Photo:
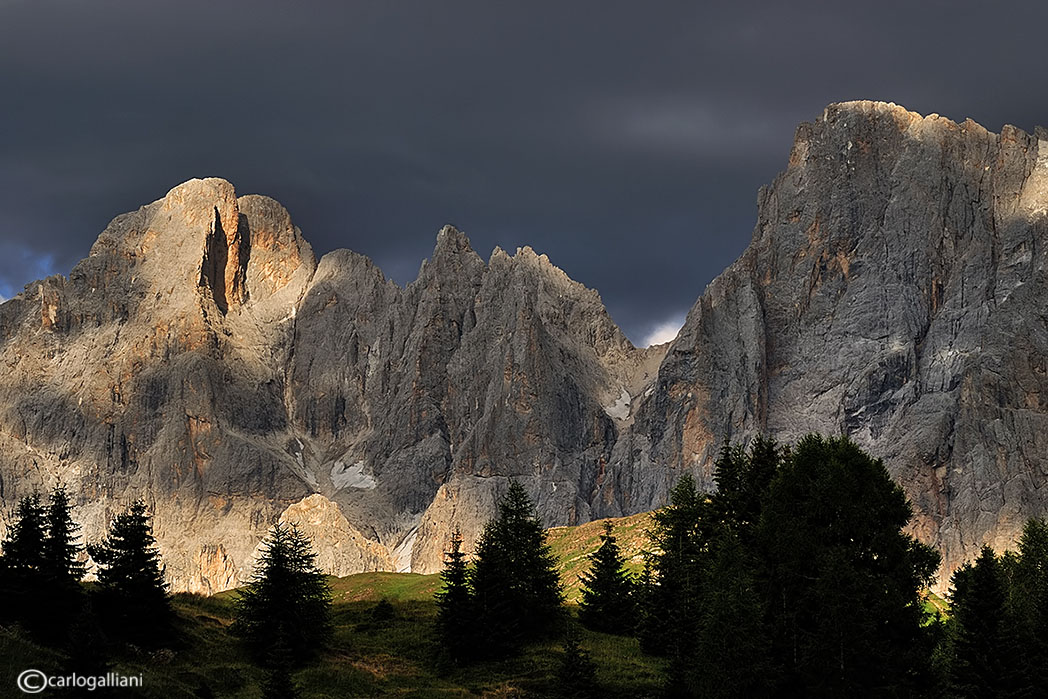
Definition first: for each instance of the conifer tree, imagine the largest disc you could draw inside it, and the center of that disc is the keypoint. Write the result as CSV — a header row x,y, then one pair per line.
x,y
279,682
61,553
843,580
671,605
517,593
985,647
576,672
62,567
1028,601
22,579
732,639
742,476
132,594
455,622
23,548
287,599
608,591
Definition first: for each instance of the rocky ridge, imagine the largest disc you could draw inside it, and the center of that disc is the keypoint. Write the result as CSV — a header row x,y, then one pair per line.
x,y
202,358
894,290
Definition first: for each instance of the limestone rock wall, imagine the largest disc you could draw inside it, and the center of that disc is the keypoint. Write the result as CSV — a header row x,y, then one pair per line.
x,y
202,359
894,291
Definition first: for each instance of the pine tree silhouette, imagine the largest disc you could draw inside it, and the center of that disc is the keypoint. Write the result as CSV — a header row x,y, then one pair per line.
x,y
455,618
132,595
608,601
62,548
22,579
576,673
288,599
516,587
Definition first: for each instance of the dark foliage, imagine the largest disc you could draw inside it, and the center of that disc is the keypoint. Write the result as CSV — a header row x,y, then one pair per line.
x,y
455,617
132,600
576,673
794,578
608,591
515,588
279,682
670,614
62,567
22,578
40,568
842,580
287,602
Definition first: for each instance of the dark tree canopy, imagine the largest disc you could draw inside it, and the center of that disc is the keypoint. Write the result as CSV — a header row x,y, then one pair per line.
x,y
516,587
62,548
132,594
792,578
40,568
576,672
22,565
608,601
23,548
671,608
287,604
844,582
455,616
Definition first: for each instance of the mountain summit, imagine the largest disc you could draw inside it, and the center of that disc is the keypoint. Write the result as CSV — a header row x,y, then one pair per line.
x,y
202,358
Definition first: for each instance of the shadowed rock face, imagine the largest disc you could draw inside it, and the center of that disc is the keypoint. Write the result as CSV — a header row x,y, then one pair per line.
x,y
202,359
894,291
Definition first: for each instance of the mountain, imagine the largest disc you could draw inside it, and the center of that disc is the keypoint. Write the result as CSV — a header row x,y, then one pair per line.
x,y
894,290
202,358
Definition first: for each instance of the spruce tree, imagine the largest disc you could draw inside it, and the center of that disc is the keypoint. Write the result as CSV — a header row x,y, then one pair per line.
x,y
576,672
732,639
22,564
742,476
517,593
287,600
1028,601
843,581
608,601
986,659
455,622
279,682
23,548
132,595
62,567
671,602
62,548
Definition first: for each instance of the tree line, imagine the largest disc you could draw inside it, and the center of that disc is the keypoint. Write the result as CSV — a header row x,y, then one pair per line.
x,y
42,565
283,613
792,578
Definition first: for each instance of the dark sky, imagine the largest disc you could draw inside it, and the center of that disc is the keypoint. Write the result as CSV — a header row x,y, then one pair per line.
x,y
626,140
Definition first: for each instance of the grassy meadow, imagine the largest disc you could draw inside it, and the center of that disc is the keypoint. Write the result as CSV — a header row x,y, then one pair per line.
x,y
371,655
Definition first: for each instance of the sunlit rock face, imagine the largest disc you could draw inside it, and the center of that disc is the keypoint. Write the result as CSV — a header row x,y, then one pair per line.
x,y
202,359
894,291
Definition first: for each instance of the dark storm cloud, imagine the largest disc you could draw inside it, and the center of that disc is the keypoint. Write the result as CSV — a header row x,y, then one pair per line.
x,y
625,140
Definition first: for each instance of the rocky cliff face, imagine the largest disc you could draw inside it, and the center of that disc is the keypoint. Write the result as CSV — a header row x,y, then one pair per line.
x,y
894,291
201,358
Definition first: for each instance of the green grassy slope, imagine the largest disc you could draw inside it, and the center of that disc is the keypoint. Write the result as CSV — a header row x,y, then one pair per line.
x,y
369,658
573,545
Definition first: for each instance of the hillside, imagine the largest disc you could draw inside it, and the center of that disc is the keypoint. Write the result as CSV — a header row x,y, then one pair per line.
x,y
370,657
